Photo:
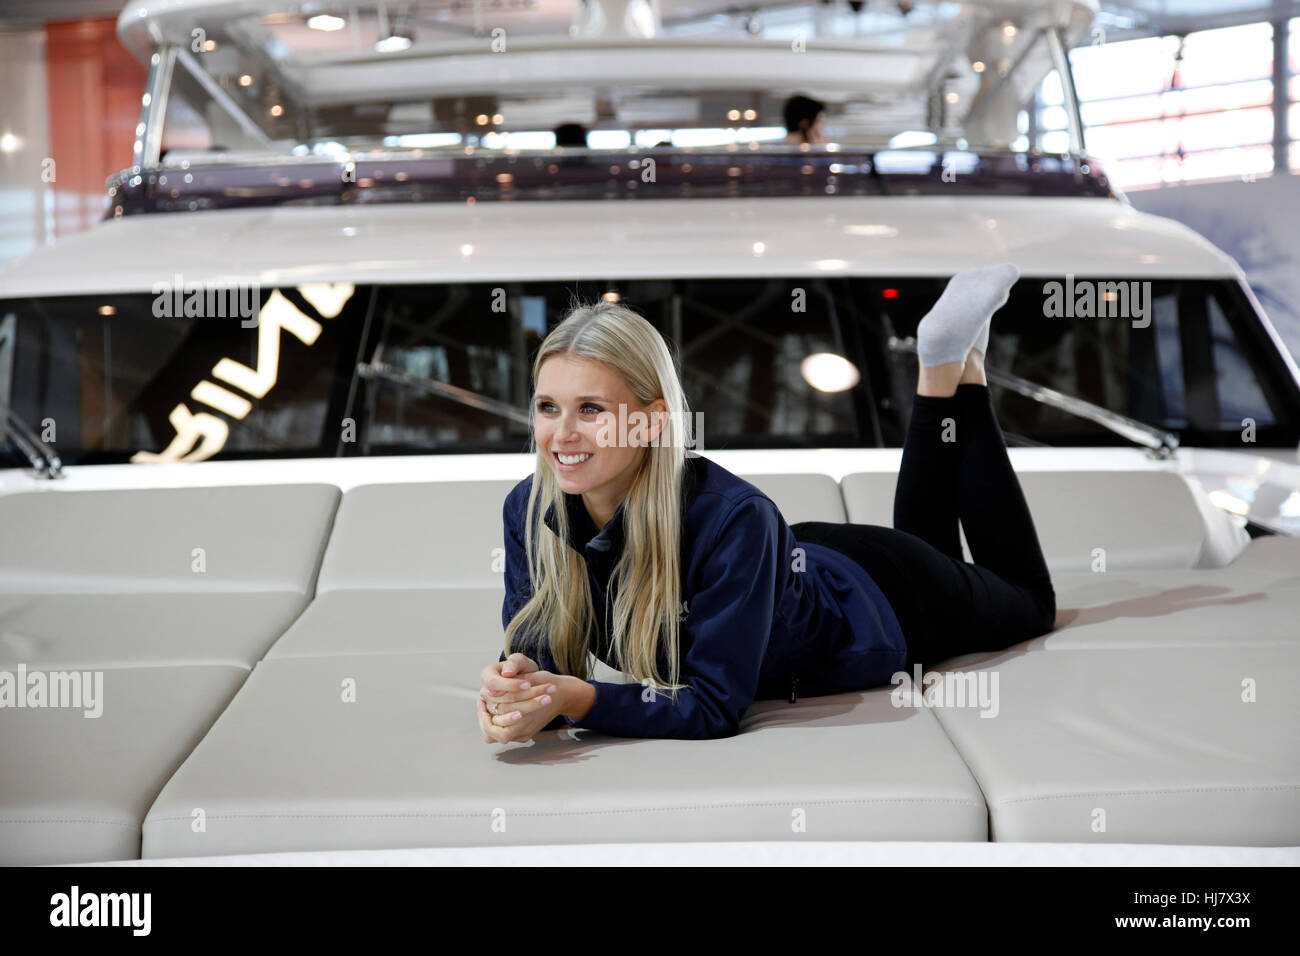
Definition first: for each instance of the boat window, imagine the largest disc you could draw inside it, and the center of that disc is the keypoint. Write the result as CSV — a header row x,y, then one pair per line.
x,y
763,359
742,346
474,341
1240,396
1168,348
1183,355
341,370
113,381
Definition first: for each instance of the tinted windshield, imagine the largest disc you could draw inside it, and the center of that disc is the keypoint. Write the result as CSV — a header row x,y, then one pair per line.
x,y
115,378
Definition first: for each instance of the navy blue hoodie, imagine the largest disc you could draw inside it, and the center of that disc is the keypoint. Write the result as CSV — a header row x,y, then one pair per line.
x,y
760,609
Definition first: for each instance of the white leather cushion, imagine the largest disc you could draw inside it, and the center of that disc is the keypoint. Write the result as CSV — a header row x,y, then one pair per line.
x,y
398,621
1157,744
76,788
1138,519
417,535
161,540
291,766
802,497
117,630
1223,606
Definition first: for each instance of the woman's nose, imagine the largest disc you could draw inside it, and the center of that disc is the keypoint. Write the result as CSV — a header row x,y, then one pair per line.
x,y
568,427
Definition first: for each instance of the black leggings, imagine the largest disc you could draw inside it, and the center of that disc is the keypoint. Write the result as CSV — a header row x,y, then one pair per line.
x,y
945,605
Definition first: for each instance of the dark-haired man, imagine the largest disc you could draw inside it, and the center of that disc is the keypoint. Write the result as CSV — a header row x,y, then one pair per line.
x,y
803,120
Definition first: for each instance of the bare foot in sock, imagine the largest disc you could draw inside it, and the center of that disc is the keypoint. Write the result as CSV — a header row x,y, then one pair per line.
x,y
960,320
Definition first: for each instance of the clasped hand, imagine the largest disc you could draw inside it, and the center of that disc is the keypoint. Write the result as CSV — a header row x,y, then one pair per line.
x,y
526,699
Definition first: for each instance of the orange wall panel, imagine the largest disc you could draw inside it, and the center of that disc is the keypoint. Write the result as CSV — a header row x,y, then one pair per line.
x,y
95,87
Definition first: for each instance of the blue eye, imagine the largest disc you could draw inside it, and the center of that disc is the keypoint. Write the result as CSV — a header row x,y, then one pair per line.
x,y
595,409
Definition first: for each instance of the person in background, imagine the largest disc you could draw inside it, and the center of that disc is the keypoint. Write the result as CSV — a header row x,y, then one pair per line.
x,y
803,120
570,134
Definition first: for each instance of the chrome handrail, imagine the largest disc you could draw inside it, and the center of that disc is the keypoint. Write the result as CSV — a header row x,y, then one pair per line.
x,y
39,453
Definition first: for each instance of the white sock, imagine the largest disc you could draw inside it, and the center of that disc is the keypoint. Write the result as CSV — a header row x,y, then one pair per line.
x,y
960,320
982,343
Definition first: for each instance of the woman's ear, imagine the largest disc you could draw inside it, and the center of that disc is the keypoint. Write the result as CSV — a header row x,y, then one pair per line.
x,y
658,411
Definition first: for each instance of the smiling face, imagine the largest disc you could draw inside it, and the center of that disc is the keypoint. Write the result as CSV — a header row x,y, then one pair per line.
x,y
577,427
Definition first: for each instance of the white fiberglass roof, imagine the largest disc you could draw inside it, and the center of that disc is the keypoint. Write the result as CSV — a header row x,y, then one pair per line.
x,y
501,241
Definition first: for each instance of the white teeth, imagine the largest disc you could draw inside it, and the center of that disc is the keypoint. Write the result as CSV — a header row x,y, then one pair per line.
x,y
573,459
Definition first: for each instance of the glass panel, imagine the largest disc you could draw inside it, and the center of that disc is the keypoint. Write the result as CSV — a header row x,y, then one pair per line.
x,y
448,366
1223,102
1240,163
1051,93
1156,106
1239,393
1056,141
1129,140
1213,130
1121,69
1169,359
464,337
1113,357
1122,110
117,375
1226,97
1190,133
1232,53
1053,117
742,344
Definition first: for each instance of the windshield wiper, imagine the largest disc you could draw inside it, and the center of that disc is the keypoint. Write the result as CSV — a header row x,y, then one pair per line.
x,y
42,456
1158,442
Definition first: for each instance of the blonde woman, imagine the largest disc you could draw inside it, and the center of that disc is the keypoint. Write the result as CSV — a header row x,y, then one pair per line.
x,y
685,577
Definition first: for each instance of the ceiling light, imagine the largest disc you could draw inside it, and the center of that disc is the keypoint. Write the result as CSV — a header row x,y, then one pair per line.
x,y
829,372
394,43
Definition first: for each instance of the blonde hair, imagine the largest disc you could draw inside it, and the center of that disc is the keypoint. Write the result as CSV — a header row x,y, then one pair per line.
x,y
646,579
